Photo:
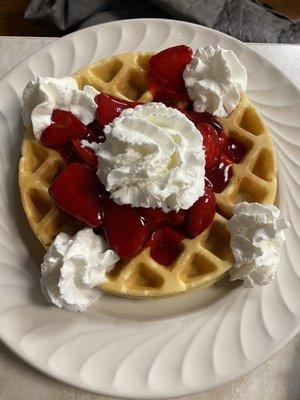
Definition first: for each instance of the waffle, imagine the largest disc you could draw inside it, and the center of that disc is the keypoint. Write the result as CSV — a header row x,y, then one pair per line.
x,y
204,259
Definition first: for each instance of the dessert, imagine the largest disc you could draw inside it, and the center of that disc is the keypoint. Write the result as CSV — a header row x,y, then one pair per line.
x,y
158,180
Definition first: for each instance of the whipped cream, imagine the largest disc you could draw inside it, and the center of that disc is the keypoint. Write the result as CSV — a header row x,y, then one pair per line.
x,y
73,267
91,145
215,79
257,235
42,96
152,157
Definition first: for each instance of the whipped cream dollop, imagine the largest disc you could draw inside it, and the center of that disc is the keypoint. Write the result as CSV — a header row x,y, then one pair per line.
x,y
43,95
152,157
257,235
215,79
73,267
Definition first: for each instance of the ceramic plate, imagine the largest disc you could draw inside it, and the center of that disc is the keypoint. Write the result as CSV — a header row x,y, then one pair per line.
x,y
154,348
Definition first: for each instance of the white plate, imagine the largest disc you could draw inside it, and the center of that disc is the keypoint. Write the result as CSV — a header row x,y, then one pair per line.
x,y
154,348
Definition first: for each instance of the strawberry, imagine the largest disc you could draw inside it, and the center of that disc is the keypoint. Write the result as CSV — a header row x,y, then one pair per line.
x,y
125,230
75,191
220,174
153,216
211,120
235,151
167,66
200,215
84,154
169,97
65,126
165,245
210,144
175,218
110,107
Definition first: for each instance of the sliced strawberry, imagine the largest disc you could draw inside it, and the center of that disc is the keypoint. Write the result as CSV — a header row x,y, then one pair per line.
x,y
211,120
175,218
110,107
235,150
165,245
167,66
153,216
65,126
201,214
85,154
220,174
210,143
75,191
169,97
125,230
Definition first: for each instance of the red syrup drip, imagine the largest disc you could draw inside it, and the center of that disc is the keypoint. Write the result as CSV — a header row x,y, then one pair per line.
x,y
219,176
235,151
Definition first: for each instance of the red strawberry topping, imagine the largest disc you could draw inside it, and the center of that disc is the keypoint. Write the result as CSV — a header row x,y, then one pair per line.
x,y
65,126
235,151
210,143
201,214
110,107
75,191
165,245
175,218
211,120
167,66
84,154
125,230
168,96
154,217
220,174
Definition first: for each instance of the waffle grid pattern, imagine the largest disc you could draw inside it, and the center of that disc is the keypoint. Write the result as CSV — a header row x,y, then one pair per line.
x,y
254,179
203,260
37,169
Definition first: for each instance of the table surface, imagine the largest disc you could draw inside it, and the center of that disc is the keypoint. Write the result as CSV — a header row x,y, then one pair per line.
x,y
277,379
12,20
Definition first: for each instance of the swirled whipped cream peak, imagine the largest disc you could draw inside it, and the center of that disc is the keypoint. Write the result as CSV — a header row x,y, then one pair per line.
x,y
215,79
257,235
152,157
72,268
43,95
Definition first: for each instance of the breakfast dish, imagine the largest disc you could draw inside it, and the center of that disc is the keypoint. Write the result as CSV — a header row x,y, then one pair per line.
x,y
119,341
180,150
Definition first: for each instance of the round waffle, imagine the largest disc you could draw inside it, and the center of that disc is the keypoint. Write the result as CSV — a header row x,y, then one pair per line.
x,y
204,259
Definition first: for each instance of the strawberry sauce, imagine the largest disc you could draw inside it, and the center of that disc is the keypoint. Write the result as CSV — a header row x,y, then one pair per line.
x,y
78,192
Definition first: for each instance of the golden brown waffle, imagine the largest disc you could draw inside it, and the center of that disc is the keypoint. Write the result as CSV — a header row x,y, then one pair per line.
x,y
255,178
123,76
38,167
203,260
